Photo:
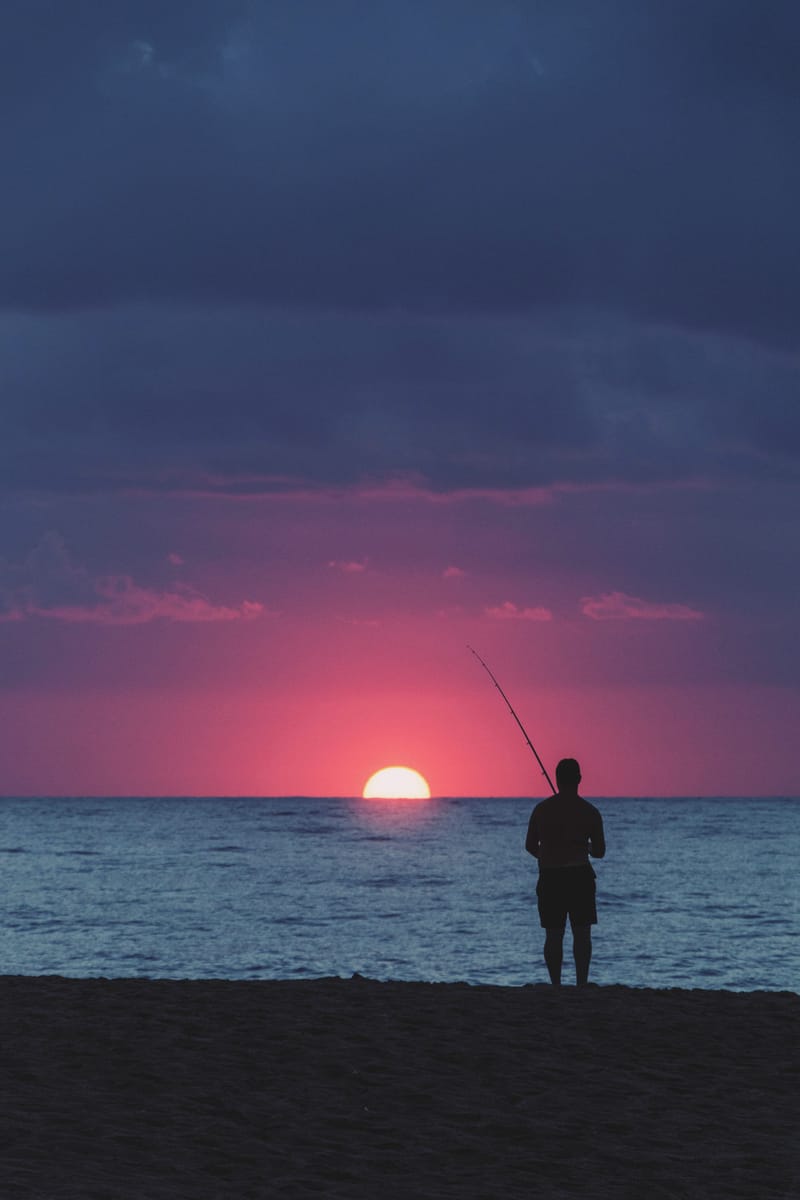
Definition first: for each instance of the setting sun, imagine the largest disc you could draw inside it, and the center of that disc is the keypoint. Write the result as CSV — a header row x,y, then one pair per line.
x,y
397,783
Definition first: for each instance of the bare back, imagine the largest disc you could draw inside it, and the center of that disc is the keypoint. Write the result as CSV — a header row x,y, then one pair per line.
x,y
564,830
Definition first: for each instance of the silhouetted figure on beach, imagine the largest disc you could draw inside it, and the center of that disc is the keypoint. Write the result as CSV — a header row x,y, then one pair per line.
x,y
563,831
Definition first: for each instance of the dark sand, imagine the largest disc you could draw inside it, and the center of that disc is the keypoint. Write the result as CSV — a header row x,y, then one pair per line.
x,y
351,1088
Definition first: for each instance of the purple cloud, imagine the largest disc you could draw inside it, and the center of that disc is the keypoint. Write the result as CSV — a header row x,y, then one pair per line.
x,y
508,611
618,606
348,566
49,585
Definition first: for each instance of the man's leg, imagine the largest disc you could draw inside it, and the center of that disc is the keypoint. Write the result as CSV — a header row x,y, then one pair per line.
x,y
582,951
554,953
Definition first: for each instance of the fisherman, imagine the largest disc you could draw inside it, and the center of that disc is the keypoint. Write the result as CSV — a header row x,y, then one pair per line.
x,y
563,831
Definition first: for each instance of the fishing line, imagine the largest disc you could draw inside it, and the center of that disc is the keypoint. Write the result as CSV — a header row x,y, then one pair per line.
x,y
514,715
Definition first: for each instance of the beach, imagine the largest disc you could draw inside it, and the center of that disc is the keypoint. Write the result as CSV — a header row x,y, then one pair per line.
x,y
356,1088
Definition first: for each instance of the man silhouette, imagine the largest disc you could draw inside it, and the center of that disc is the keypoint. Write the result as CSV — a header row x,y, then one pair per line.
x,y
563,831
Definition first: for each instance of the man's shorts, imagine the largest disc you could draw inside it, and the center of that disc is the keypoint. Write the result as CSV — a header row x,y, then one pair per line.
x,y
566,892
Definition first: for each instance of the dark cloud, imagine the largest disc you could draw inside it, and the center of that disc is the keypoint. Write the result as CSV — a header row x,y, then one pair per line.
x,y
240,401
446,156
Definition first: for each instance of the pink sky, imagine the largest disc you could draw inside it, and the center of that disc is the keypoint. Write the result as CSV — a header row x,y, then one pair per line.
x,y
235,669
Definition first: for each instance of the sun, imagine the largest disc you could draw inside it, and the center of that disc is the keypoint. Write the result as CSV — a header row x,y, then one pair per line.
x,y
397,783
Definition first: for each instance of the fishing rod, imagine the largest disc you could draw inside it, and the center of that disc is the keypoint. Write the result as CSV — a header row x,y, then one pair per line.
x,y
514,715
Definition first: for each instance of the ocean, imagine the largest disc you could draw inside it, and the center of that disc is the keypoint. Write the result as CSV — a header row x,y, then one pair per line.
x,y
693,893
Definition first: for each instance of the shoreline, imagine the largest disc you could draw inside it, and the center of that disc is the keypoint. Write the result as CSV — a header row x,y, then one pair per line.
x,y
127,1088
356,978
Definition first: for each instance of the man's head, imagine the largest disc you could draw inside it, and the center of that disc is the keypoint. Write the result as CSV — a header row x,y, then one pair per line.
x,y
568,775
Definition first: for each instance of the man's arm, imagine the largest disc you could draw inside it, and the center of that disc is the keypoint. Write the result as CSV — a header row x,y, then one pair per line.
x,y
597,838
532,840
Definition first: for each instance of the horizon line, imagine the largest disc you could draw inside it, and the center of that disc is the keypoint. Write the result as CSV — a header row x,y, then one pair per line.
x,y
410,799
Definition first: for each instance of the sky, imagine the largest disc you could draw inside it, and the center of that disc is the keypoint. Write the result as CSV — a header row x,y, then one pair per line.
x,y
339,335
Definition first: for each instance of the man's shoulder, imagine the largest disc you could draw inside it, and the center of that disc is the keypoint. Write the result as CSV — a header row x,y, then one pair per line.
x,y
556,801
589,807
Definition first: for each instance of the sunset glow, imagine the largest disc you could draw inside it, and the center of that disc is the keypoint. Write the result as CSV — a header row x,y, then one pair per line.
x,y
397,783
448,380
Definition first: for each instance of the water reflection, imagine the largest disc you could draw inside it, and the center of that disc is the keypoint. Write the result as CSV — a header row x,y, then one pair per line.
x,y
389,818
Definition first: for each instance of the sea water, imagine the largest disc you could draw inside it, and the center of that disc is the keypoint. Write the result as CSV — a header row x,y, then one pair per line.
x,y
692,892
